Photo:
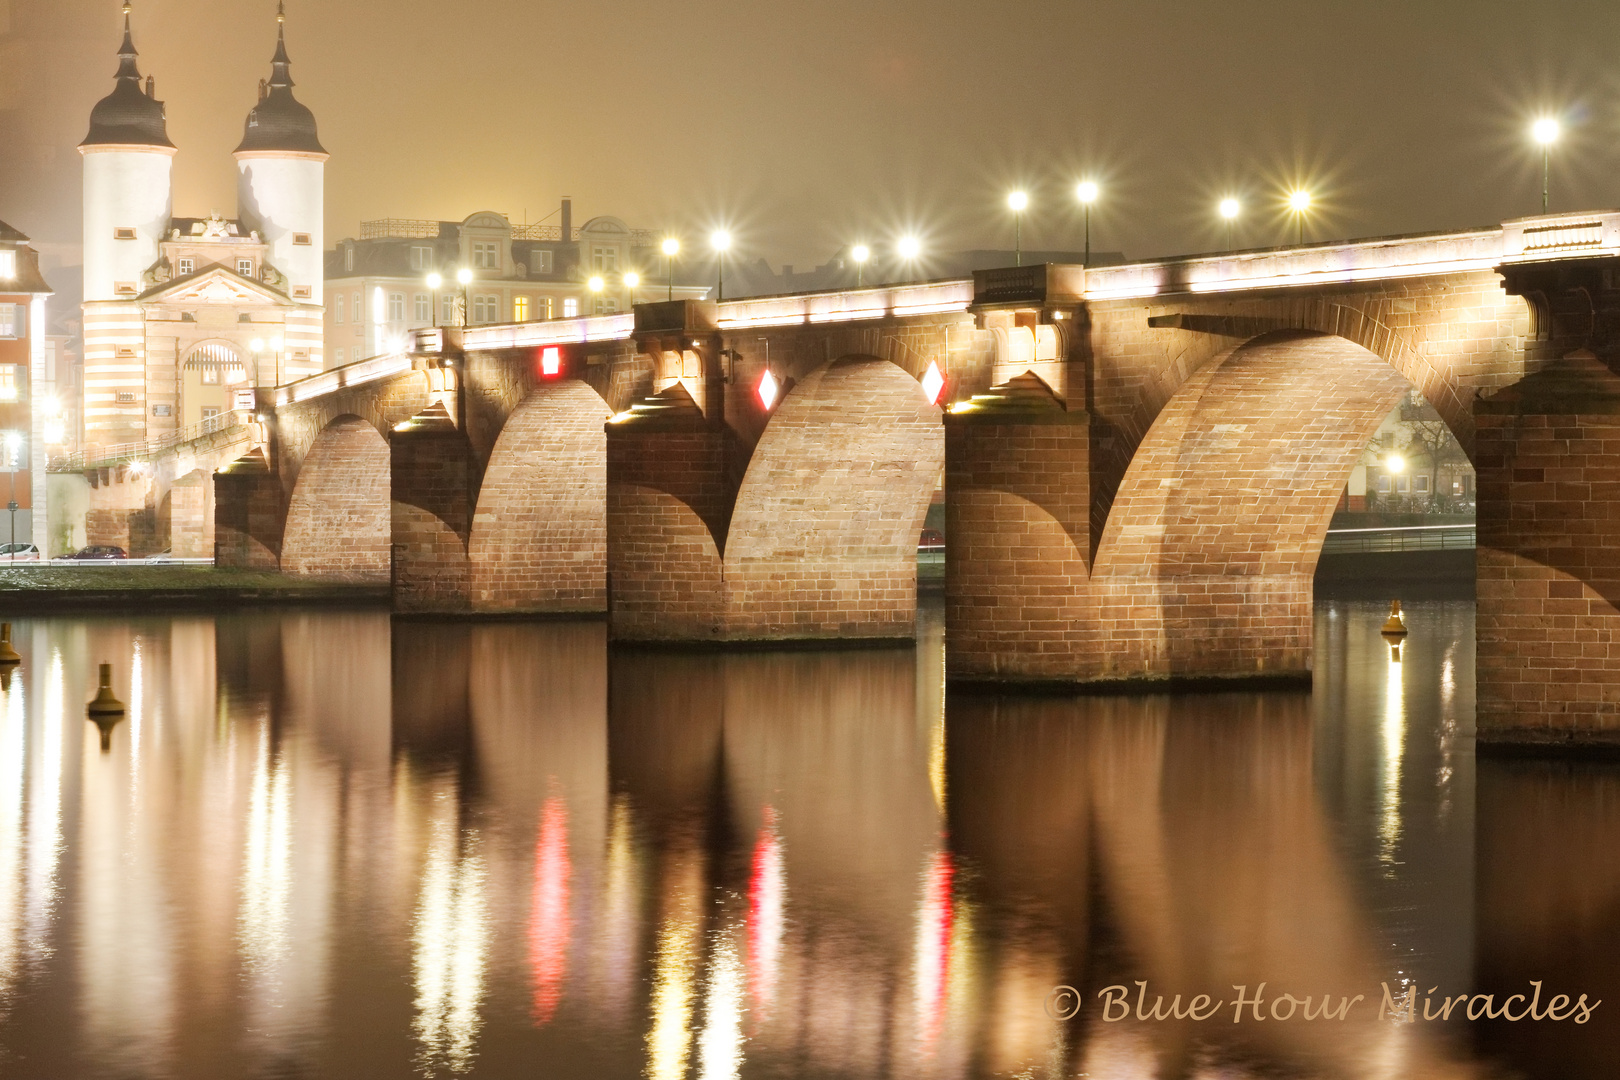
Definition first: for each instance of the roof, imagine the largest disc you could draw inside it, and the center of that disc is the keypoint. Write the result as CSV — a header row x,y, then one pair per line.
x,y
280,121
11,236
127,117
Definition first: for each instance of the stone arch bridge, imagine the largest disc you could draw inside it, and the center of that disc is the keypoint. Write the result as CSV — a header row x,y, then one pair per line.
x,y
1142,461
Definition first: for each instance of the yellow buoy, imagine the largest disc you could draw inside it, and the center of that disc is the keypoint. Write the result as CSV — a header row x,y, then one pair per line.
x,y
8,655
1394,626
105,703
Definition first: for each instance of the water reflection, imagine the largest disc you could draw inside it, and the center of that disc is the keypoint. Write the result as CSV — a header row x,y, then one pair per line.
x,y
338,845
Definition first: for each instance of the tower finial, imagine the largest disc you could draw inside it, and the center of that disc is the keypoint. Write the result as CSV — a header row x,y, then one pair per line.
x,y
281,11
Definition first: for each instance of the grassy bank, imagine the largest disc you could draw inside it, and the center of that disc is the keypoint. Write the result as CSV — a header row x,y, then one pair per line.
x,y
72,588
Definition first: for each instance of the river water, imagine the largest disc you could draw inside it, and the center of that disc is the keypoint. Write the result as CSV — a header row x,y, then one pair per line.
x,y
336,845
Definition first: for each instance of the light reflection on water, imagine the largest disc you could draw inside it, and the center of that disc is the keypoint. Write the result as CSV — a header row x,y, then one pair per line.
x,y
336,845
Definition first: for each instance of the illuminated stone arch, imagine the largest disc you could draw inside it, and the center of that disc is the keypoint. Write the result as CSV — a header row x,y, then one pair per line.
x,y
338,520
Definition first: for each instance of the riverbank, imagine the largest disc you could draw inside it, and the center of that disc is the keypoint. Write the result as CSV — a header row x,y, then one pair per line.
x,y
49,589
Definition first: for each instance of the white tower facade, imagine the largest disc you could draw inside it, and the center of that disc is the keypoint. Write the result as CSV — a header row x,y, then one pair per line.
x,y
127,207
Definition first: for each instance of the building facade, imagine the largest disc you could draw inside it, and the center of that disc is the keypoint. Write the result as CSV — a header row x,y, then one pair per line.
x,y
27,425
378,284
182,315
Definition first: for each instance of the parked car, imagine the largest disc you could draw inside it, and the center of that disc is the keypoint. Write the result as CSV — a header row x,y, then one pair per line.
x,y
931,540
19,553
99,551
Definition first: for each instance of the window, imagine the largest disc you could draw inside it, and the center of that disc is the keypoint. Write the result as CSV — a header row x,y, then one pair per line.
x,y
421,258
302,292
123,234
210,411
605,259
188,316
570,307
126,397
447,309
301,239
605,305
487,255
520,309
9,390
8,264
124,288
244,267
210,375
545,307
486,309
540,261
396,307
337,355
13,321
348,258
424,307
1383,485
337,311
359,314
1420,484
184,266
1403,484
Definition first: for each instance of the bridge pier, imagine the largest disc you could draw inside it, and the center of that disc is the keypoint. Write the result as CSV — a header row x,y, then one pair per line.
x,y
249,514
432,481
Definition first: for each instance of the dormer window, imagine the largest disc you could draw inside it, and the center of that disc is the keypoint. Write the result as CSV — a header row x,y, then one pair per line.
x,y
605,259
540,261
8,264
486,256
421,258
123,234
244,267
348,258
185,266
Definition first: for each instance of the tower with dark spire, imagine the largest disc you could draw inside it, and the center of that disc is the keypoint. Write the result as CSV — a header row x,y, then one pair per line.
x,y
281,179
128,164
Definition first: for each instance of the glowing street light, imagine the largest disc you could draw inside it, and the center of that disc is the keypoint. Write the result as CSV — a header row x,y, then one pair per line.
x,y
464,276
1018,202
1087,191
909,247
1395,463
596,285
631,280
671,248
1299,203
1546,131
720,240
1230,208
434,280
860,253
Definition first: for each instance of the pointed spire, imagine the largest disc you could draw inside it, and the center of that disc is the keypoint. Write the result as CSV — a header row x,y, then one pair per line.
x,y
128,117
279,63
126,51
279,122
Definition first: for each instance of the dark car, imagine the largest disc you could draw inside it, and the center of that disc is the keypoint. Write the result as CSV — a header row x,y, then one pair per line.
x,y
931,540
99,551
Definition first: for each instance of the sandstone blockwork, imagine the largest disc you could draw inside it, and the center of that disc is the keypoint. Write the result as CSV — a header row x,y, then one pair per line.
x,y
539,537
433,483
338,520
1548,627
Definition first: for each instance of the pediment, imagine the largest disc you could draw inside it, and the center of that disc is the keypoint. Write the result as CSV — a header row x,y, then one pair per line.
x,y
216,285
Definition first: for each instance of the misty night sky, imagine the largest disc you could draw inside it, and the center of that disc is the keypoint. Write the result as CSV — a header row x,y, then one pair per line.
x,y
806,126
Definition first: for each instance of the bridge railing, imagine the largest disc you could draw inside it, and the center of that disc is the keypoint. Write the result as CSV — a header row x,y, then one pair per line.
x,y
1409,538
98,457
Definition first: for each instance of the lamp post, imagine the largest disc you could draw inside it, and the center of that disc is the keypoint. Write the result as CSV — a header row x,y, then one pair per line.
x,y
672,248
278,343
256,346
1087,191
1546,131
1230,208
631,280
13,444
1017,202
596,285
1299,203
860,253
434,280
721,242
464,276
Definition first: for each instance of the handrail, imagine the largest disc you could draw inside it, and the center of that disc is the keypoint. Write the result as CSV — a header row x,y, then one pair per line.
x,y
1401,538
95,457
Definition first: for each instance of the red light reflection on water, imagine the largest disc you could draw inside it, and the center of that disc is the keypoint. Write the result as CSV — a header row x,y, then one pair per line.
x,y
767,891
935,917
549,924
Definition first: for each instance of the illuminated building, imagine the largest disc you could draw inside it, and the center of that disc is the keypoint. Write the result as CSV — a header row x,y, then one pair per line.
x,y
172,305
379,287
23,389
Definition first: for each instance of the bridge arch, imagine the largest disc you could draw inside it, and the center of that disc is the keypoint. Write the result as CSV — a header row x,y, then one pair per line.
x,y
539,534
823,535
1205,565
338,520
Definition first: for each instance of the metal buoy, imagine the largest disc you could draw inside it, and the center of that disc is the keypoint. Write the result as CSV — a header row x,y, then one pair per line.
x,y
1394,626
8,655
105,703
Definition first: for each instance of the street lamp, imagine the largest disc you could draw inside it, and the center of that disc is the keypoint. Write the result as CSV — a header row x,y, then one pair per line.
x,y
464,276
672,247
1087,191
596,285
434,280
1299,202
1018,201
631,280
278,343
1230,209
860,253
1545,131
910,247
720,240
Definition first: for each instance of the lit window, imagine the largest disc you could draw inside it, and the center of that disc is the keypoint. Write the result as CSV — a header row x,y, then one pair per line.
x,y
540,261
520,309
8,382
1383,485
570,307
13,321
244,267
379,311
545,307
605,259
424,308
8,264
396,307
210,375
13,450
421,258
487,256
